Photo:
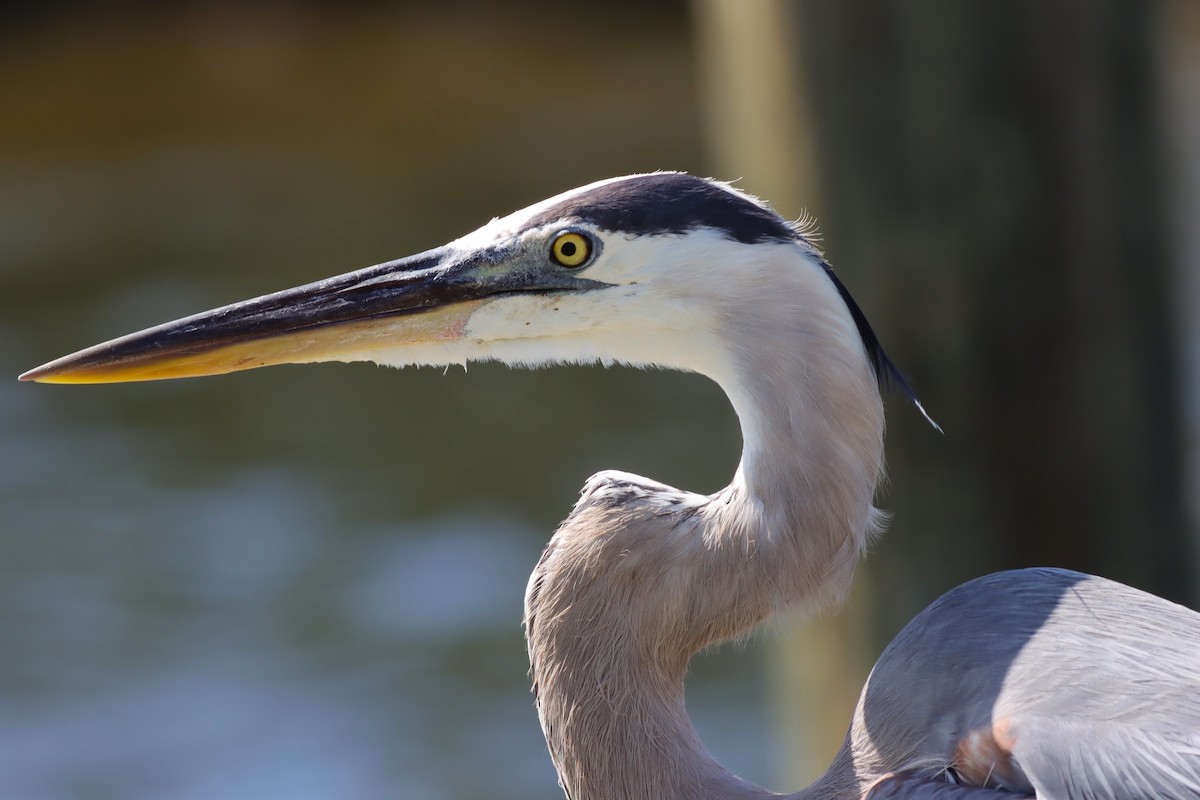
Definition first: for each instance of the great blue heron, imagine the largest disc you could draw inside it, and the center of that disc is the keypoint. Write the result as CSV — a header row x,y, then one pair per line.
x,y
1035,681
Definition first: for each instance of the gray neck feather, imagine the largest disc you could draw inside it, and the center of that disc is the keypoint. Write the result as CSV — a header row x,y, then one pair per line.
x,y
641,576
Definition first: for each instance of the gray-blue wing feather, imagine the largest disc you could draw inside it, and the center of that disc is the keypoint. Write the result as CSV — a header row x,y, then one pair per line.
x,y
1073,759
914,786
1044,681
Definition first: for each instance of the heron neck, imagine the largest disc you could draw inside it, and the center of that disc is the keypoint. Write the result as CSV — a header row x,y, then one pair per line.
x,y
641,577
616,726
639,746
812,427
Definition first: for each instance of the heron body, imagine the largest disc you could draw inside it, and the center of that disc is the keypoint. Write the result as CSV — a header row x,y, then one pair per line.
x,y
1039,681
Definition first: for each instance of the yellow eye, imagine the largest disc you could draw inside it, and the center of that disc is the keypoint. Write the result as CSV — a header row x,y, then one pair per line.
x,y
571,249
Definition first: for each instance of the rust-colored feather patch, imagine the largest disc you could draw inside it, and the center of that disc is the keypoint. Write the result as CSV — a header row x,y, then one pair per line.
x,y
984,757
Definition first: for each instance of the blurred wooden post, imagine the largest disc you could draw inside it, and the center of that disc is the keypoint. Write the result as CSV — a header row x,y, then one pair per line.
x,y
755,110
998,169
757,123
1179,71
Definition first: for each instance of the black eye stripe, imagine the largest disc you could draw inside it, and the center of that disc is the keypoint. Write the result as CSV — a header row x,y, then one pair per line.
x,y
669,203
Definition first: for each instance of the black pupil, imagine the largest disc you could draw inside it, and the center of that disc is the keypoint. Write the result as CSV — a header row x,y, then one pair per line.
x,y
568,249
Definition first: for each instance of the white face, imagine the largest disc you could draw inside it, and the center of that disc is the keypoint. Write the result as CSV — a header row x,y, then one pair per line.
x,y
650,311
665,300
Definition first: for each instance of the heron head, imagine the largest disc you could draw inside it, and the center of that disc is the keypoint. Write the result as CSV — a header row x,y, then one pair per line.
x,y
649,269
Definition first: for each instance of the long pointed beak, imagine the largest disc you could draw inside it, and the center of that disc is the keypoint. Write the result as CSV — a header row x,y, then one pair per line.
x,y
417,300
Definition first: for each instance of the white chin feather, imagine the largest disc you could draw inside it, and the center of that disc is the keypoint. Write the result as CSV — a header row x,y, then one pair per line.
x,y
526,353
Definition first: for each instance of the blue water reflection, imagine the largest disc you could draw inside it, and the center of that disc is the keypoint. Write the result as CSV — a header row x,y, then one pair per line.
x,y
303,582
230,639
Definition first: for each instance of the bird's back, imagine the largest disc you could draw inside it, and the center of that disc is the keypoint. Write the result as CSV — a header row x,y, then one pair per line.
x,y
1042,680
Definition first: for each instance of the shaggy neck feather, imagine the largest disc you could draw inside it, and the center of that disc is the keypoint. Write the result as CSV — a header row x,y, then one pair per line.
x,y
640,577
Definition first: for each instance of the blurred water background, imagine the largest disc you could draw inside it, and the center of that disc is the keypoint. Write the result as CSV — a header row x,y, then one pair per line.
x,y
306,582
